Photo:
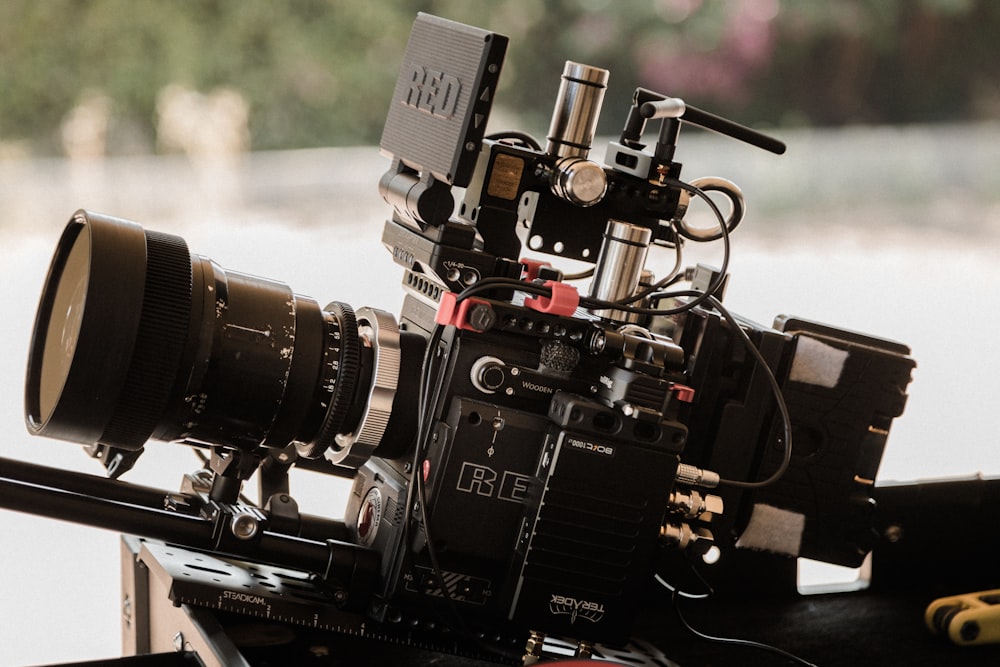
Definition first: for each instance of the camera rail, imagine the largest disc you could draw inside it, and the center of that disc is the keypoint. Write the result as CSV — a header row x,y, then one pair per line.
x,y
112,505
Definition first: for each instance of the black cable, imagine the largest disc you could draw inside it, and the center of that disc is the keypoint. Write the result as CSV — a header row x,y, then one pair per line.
x,y
522,137
423,409
600,304
726,250
579,276
732,641
676,279
676,593
708,296
684,594
488,284
758,357
778,397
676,273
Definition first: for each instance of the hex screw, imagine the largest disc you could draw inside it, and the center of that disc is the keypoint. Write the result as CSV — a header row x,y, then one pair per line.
x,y
969,631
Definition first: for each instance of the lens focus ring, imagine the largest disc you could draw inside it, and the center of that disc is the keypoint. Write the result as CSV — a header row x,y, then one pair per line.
x,y
338,376
166,308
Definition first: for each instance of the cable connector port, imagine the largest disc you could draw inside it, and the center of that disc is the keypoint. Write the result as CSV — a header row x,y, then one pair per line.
x,y
682,535
693,505
688,475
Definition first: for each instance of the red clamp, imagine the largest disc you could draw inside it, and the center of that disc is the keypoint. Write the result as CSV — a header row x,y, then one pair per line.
x,y
682,392
455,314
563,301
531,268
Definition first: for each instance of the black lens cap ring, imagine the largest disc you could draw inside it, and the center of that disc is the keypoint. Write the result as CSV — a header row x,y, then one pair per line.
x,y
109,332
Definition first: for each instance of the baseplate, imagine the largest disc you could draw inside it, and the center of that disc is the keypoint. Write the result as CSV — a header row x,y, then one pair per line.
x,y
301,603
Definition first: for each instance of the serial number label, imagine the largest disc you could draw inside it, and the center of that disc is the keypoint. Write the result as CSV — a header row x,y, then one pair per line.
x,y
592,447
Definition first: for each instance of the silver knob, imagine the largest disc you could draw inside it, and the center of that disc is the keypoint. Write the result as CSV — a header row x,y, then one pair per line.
x,y
579,181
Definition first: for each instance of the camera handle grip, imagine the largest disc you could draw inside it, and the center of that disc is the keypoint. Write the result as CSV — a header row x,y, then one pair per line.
x,y
653,105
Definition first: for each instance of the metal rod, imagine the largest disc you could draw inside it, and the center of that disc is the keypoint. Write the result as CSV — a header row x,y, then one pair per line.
x,y
654,105
81,483
90,510
98,502
710,121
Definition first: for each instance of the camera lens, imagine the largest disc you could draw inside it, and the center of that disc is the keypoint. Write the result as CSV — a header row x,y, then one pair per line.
x,y
62,335
88,326
136,338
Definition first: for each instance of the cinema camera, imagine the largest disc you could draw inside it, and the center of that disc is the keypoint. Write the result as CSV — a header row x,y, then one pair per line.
x,y
525,457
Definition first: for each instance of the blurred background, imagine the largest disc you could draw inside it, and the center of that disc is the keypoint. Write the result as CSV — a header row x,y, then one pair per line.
x,y
251,129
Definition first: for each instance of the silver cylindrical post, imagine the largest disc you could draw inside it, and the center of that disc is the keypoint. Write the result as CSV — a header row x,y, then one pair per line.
x,y
619,265
577,109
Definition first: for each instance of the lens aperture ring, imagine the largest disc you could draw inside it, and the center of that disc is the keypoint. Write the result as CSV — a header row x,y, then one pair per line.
x,y
338,377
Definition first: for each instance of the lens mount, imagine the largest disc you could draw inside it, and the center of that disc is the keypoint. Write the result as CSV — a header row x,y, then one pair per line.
x,y
378,330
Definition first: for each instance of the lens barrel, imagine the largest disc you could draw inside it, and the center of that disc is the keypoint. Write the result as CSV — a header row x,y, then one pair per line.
x,y
136,338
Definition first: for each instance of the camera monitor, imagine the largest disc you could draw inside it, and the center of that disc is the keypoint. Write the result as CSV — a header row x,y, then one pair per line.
x,y
443,97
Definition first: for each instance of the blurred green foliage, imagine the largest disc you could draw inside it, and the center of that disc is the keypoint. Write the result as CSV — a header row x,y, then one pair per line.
x,y
321,72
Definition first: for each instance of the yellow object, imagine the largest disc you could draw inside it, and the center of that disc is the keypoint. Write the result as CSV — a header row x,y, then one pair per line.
x,y
972,618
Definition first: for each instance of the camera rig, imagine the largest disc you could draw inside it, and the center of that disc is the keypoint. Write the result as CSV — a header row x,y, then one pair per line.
x,y
525,458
